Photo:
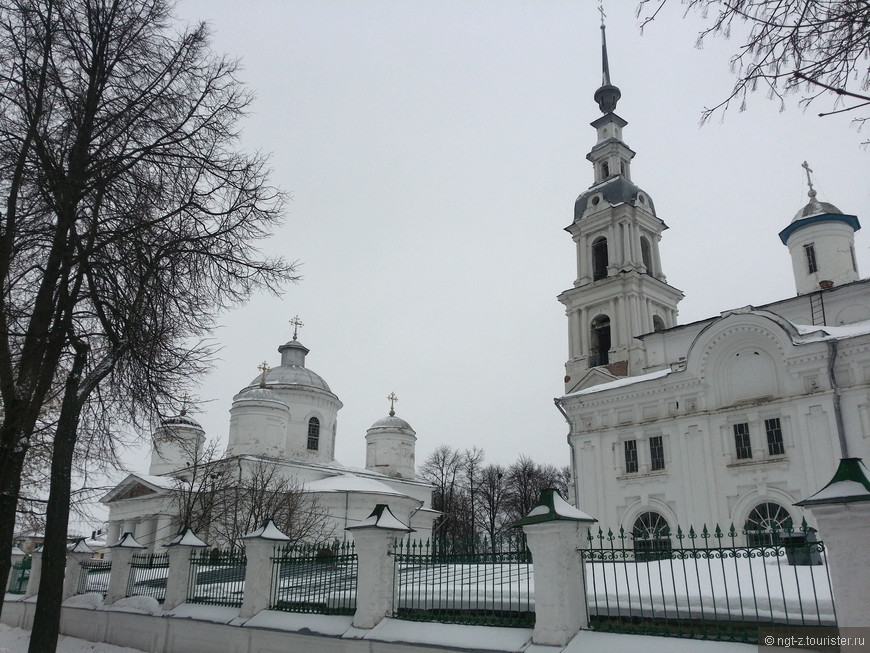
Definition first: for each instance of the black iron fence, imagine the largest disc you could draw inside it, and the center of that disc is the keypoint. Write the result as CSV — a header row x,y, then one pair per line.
x,y
95,576
217,577
702,584
471,581
19,576
314,578
148,573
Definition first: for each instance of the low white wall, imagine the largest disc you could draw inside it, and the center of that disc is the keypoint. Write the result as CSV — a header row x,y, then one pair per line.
x,y
158,634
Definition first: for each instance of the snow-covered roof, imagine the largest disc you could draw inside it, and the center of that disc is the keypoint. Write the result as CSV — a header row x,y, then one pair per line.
x,y
268,531
382,518
186,538
814,332
619,383
350,483
552,507
127,541
155,483
851,483
81,547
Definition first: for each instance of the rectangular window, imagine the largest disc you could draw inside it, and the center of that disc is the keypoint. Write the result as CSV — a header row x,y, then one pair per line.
x,y
656,452
811,258
775,445
741,441
630,456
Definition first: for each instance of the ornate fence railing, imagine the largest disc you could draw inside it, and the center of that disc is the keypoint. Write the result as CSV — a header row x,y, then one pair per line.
x,y
701,584
217,577
19,575
314,578
470,582
95,576
148,573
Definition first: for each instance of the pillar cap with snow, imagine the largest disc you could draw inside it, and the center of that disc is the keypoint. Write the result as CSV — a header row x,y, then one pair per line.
x,y
267,531
80,547
186,537
382,518
127,541
17,551
851,484
552,507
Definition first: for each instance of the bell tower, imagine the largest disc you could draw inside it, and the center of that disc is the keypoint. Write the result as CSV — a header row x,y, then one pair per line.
x,y
620,291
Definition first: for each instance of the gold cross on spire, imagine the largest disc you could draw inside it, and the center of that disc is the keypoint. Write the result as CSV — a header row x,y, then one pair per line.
x,y
296,323
806,166
393,399
264,368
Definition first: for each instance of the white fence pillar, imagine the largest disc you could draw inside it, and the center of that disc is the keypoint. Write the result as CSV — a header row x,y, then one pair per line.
x,y
178,575
258,567
842,511
74,559
373,540
35,572
554,532
17,558
122,555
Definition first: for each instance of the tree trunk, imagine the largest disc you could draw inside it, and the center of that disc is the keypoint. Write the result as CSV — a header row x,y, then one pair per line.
x,y
46,619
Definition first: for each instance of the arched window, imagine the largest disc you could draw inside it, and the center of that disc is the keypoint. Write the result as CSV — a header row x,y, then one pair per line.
x,y
651,536
765,524
658,323
605,170
645,254
599,339
313,434
599,258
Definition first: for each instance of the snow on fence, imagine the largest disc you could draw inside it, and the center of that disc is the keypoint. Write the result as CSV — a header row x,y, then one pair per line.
x,y
706,586
473,581
217,577
94,577
314,578
148,573
19,575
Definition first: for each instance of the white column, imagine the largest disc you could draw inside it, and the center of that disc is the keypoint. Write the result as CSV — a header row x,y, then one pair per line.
x,y
845,530
113,534
258,576
73,573
164,531
375,576
35,574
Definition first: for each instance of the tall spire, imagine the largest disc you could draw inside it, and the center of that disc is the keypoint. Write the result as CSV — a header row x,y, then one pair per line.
x,y
607,95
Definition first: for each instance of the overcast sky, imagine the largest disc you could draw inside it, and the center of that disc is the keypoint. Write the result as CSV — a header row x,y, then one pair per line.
x,y
434,151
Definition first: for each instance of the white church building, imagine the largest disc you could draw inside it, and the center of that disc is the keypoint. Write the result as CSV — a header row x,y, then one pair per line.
x,y
728,420
286,417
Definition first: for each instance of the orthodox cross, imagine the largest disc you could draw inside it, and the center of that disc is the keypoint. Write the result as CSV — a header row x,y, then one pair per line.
x,y
601,11
806,166
264,368
393,399
184,399
296,323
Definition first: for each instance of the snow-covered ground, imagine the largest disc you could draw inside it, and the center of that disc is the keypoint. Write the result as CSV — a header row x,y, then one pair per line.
x,y
15,640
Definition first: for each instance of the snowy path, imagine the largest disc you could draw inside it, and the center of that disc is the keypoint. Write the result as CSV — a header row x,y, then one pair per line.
x,y
15,640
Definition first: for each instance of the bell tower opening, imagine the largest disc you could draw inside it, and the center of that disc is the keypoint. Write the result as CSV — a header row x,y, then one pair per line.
x,y
599,339
599,259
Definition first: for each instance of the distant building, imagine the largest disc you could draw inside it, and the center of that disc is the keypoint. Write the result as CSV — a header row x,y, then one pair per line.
x,y
286,418
728,420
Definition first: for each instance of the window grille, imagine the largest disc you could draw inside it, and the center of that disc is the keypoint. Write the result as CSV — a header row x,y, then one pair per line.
x,y
741,441
657,452
775,444
630,456
313,434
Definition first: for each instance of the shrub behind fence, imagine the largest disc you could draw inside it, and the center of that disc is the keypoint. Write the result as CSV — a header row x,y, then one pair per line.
x,y
148,573
217,577
314,578
95,576
472,582
703,585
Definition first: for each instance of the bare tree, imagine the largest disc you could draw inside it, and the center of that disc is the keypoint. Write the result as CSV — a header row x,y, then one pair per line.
x,y
130,222
442,468
815,47
491,503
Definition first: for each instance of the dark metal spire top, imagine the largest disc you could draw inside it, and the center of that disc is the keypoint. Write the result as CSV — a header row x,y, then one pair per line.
x,y
608,95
